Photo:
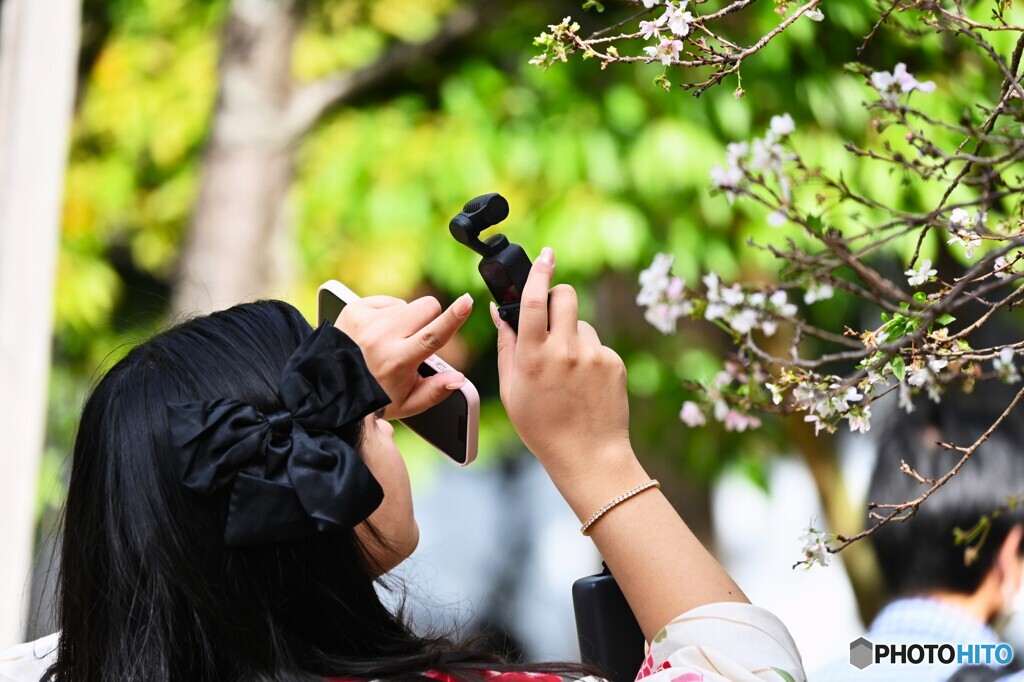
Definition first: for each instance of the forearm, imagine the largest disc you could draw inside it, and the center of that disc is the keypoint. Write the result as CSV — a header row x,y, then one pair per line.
x,y
660,565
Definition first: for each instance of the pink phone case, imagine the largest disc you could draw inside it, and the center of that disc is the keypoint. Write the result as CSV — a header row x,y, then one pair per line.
x,y
468,390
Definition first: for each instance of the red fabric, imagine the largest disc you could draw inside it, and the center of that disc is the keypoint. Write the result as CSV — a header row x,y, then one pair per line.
x,y
502,677
490,674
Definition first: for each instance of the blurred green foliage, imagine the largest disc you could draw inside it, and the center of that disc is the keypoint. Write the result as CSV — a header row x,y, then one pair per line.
x,y
603,166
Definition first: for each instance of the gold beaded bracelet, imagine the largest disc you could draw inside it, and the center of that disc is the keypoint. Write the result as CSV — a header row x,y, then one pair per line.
x,y
585,528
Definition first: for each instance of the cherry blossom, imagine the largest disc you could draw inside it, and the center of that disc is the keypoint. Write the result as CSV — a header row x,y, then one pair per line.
x,y
649,29
782,125
1005,366
923,274
667,50
815,546
818,291
678,20
900,81
1002,268
814,14
691,414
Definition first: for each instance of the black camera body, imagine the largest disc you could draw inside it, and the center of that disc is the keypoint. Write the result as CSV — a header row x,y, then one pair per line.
x,y
504,266
609,634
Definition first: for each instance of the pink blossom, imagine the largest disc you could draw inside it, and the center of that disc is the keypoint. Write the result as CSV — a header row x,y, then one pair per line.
x,y
691,415
650,28
737,421
667,50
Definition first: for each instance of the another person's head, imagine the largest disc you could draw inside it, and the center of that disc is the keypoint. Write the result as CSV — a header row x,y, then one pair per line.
x,y
149,589
919,556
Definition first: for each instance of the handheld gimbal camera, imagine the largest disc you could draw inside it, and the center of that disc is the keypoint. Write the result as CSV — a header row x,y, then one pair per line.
x,y
609,634
505,266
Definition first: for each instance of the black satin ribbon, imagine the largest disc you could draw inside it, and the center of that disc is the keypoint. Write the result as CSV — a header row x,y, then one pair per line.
x,y
291,473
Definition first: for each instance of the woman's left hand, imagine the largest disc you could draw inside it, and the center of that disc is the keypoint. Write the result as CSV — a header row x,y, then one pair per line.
x,y
396,337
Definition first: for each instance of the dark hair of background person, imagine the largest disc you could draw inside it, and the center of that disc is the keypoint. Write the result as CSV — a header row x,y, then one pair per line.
x,y
919,555
147,589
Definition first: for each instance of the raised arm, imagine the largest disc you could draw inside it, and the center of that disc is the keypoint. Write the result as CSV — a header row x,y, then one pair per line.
x,y
566,395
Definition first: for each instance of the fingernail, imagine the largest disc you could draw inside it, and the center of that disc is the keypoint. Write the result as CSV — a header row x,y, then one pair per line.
x,y
463,305
456,383
494,314
547,256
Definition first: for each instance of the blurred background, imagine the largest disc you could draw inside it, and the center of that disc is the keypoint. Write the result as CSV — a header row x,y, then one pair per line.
x,y
200,153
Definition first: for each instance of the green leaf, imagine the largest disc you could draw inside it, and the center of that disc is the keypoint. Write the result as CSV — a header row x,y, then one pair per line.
x,y
921,297
783,674
945,318
898,367
593,4
885,317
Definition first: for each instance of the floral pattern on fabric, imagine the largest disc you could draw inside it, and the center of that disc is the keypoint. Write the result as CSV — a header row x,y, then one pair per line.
x,y
724,641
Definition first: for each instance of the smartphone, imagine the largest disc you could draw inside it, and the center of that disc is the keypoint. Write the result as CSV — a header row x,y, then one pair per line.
x,y
452,426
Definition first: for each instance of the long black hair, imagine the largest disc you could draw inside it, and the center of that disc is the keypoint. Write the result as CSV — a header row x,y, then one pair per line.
x,y
148,590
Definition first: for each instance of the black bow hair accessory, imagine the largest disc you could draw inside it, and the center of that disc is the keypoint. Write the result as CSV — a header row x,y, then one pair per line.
x,y
290,473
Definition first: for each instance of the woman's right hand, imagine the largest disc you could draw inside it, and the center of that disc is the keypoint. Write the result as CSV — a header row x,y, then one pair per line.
x,y
564,392
566,395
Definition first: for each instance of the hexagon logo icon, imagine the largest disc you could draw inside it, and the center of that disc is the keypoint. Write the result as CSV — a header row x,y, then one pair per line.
x,y
862,653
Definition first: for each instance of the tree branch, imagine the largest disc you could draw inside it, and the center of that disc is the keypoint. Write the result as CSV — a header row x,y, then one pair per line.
x,y
310,102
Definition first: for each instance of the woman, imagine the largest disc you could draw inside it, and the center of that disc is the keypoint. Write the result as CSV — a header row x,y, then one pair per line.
x,y
235,493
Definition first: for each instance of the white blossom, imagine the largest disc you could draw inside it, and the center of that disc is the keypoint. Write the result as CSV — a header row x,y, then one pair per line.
x,y
1001,269
776,393
781,125
744,321
814,14
715,311
658,272
803,394
817,421
923,274
649,29
721,409
1005,365
667,50
818,291
736,151
966,240
728,179
780,301
777,218
962,226
733,296
905,400
663,316
900,81
815,546
840,402
926,376
859,419
959,219
678,20
663,294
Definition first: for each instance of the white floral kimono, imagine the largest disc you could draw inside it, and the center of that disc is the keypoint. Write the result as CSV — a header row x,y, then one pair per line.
x,y
716,642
